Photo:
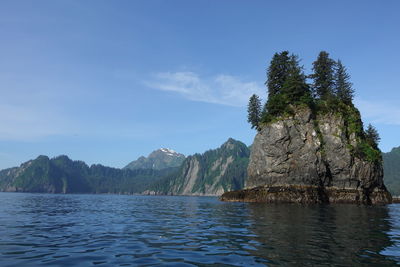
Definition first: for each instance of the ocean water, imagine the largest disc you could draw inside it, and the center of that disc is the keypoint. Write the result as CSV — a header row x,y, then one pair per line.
x,y
114,230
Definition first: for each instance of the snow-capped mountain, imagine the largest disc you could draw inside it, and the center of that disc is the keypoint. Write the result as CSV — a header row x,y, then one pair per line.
x,y
159,159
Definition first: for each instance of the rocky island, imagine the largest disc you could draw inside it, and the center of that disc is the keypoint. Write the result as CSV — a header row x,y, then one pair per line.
x,y
311,146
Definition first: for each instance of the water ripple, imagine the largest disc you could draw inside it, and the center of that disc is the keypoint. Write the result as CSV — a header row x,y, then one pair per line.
x,y
112,230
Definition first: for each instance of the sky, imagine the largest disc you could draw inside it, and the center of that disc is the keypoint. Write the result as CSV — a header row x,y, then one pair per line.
x,y
108,81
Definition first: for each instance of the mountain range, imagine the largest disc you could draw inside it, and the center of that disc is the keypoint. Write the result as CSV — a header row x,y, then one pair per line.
x,y
63,175
164,171
211,173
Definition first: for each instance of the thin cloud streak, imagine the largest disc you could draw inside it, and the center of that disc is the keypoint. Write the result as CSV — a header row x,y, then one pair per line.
x,y
221,89
232,91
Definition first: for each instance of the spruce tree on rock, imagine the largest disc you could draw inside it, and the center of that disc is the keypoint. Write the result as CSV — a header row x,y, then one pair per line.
x,y
254,111
372,136
323,76
343,86
295,85
290,89
277,72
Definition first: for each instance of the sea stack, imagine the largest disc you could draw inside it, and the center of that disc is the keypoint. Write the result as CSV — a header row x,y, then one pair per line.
x,y
315,151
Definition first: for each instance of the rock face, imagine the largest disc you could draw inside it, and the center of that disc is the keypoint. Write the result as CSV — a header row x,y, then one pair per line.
x,y
209,174
308,158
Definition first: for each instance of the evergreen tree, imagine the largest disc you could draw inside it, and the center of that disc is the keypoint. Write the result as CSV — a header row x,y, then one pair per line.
x,y
295,85
292,85
372,136
277,72
323,76
343,86
254,111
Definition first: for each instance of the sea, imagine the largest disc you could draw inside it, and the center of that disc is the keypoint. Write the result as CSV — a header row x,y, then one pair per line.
x,y
127,230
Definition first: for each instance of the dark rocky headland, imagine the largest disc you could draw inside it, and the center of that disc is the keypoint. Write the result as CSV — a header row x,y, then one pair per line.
x,y
313,150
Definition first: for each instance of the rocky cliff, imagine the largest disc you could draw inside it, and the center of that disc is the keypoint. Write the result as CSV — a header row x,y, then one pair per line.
x,y
211,173
313,157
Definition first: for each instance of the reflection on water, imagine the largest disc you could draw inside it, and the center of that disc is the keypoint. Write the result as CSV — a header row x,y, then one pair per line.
x,y
329,235
40,229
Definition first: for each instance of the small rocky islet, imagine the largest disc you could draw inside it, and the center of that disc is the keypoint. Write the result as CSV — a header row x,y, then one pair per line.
x,y
297,160
311,146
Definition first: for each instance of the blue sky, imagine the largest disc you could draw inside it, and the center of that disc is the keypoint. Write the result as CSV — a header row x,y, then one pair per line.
x,y
109,81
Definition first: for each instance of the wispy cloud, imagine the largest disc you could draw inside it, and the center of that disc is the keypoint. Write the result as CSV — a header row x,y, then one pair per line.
x,y
220,89
379,112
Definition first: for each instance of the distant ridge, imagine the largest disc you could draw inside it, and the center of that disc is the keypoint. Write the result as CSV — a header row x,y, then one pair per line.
x,y
157,160
391,165
211,173
63,175
164,171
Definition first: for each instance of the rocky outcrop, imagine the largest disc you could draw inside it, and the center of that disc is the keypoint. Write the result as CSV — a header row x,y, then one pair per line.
x,y
312,158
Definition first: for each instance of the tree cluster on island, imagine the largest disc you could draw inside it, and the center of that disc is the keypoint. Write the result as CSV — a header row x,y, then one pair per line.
x,y
329,90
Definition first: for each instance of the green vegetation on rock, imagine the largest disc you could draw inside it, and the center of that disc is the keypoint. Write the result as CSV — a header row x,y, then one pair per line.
x,y
330,92
254,111
310,134
323,76
287,87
